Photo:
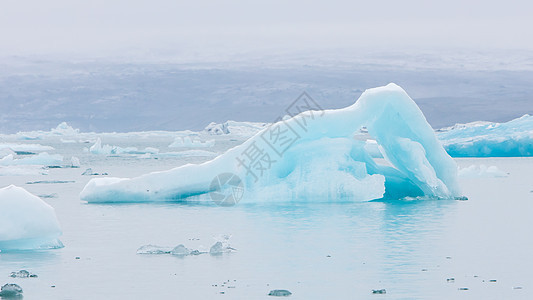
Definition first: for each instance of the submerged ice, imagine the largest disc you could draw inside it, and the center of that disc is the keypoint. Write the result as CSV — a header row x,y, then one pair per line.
x,y
313,155
26,221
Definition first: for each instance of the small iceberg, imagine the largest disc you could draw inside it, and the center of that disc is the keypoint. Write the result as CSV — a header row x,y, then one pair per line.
x,y
26,221
64,129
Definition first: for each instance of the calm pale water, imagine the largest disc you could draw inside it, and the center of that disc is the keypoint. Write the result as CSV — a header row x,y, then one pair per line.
x,y
315,250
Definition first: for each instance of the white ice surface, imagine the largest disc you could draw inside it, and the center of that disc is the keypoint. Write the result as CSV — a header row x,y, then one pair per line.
x,y
26,221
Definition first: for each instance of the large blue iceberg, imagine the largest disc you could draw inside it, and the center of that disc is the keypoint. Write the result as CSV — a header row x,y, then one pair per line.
x,y
312,155
487,139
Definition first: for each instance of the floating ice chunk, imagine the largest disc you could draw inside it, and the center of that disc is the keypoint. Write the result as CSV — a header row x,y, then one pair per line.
x,y
26,221
64,129
481,171
22,274
279,293
154,249
188,153
26,147
89,172
221,246
180,250
98,148
235,128
188,142
217,129
50,181
10,290
65,141
150,150
27,137
47,196
486,139
22,170
43,158
314,156
75,162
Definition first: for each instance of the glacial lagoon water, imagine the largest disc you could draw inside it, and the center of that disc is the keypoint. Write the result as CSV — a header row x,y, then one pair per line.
x,y
418,249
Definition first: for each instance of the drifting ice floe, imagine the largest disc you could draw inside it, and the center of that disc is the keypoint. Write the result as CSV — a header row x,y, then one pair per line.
x,y
98,148
235,128
26,222
43,159
26,147
22,170
486,139
221,246
481,171
188,142
313,156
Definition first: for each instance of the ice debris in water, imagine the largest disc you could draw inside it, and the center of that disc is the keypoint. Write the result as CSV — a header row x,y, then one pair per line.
x,y
10,290
50,181
22,274
89,172
153,249
320,161
98,148
235,128
180,250
188,142
221,246
280,293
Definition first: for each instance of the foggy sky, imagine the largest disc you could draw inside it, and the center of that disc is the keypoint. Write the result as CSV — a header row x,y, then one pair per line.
x,y
99,27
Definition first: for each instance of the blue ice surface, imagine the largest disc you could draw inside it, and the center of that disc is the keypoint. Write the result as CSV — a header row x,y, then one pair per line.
x,y
313,155
487,139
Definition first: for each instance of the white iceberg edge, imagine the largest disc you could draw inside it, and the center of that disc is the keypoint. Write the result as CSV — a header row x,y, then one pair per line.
x,y
26,221
322,161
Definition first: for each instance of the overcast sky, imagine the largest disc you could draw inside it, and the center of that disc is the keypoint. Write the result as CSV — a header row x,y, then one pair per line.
x,y
111,27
